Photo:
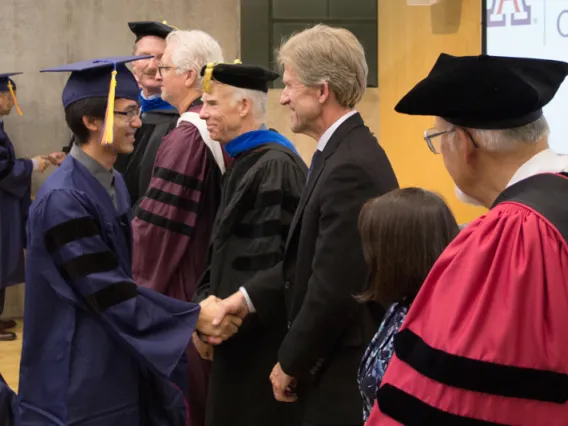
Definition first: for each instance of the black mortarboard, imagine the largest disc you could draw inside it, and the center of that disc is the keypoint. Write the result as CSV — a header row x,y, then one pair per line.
x,y
485,92
104,77
251,77
8,85
150,28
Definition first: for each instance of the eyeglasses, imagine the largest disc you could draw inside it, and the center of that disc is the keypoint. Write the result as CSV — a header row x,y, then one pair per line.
x,y
165,67
433,139
130,115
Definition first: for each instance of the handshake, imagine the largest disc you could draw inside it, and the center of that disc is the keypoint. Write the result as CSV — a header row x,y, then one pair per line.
x,y
218,321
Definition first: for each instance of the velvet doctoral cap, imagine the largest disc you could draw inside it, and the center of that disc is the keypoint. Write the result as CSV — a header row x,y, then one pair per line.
x,y
252,77
150,28
485,92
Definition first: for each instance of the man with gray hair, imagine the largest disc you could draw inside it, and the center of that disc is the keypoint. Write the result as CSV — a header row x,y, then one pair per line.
x,y
261,191
484,342
172,224
158,116
325,76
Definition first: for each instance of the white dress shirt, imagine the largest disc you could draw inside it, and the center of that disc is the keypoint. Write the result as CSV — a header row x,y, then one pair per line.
x,y
322,142
546,161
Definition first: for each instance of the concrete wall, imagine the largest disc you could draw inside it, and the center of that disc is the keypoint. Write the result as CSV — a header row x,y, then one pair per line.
x,y
41,34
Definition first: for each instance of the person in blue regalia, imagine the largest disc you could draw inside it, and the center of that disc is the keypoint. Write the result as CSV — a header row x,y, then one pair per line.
x,y
15,183
98,349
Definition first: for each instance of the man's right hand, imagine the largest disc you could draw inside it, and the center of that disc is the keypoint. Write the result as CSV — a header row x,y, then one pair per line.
x,y
42,162
212,309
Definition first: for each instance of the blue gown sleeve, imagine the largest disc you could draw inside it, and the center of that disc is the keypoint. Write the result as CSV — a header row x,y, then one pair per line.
x,y
83,268
15,175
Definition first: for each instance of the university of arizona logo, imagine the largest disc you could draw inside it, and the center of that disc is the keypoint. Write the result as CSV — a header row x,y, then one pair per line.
x,y
517,11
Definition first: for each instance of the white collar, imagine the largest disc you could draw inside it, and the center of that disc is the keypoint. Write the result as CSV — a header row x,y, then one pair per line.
x,y
546,161
331,130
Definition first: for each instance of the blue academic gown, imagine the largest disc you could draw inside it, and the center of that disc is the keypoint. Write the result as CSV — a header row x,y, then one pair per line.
x,y
97,349
15,182
7,397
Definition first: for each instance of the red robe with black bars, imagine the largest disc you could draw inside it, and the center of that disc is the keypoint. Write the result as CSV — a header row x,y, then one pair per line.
x,y
486,340
171,229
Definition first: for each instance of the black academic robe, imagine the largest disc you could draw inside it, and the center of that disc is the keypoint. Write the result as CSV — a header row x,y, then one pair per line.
x,y
137,166
98,350
259,196
15,183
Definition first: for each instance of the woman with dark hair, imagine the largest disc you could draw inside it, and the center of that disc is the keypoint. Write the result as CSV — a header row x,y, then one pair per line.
x,y
403,233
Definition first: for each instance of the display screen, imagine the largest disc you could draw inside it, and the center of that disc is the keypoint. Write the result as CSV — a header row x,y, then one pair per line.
x,y
533,29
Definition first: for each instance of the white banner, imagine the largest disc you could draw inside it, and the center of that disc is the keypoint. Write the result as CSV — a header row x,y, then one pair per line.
x,y
534,29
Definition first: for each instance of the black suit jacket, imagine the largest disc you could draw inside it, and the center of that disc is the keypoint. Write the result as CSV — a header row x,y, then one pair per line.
x,y
322,270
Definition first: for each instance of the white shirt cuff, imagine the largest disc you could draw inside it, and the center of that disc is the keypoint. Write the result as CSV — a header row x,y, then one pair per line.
x,y
36,165
247,298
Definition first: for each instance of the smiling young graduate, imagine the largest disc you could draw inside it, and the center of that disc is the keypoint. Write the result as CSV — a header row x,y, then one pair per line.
x,y
484,342
98,349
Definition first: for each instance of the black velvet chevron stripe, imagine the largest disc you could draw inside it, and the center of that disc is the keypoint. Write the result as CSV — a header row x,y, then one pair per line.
x,y
288,202
179,178
410,411
270,228
112,295
69,231
258,262
172,200
480,376
7,169
92,263
162,222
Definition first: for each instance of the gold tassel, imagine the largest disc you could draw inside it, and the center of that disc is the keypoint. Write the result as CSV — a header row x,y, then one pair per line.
x,y
169,25
108,127
207,77
11,88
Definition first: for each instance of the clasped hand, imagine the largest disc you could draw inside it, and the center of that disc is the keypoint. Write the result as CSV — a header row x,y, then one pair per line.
x,y
214,324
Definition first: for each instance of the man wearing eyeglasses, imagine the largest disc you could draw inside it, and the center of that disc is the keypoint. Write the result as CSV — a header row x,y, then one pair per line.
x,y
484,342
158,117
173,221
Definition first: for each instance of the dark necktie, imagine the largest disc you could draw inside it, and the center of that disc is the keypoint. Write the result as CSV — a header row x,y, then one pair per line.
x,y
315,159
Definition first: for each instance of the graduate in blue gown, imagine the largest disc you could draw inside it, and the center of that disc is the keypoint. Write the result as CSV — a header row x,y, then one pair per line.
x,y
98,349
15,182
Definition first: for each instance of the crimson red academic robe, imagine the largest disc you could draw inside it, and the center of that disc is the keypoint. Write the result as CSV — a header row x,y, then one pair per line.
x,y
171,229
485,341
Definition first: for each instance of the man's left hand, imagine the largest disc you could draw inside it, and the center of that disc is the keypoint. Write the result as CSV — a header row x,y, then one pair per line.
x,y
282,385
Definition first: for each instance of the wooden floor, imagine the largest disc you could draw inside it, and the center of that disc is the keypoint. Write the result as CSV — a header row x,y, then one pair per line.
x,y
10,353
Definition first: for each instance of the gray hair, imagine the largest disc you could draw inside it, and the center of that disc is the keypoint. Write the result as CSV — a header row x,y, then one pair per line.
x,y
257,98
193,50
324,54
508,139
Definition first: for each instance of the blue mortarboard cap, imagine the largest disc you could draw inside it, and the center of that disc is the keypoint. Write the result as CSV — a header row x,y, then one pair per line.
x,y
92,78
5,79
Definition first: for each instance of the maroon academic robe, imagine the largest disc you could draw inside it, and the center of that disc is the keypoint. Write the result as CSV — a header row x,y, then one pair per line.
x,y
171,231
485,341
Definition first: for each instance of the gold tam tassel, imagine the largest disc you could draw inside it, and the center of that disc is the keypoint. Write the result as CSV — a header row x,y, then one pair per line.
x,y
11,89
108,127
207,77
170,25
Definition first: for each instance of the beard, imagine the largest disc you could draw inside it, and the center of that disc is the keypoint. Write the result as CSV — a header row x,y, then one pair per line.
x,y
464,198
